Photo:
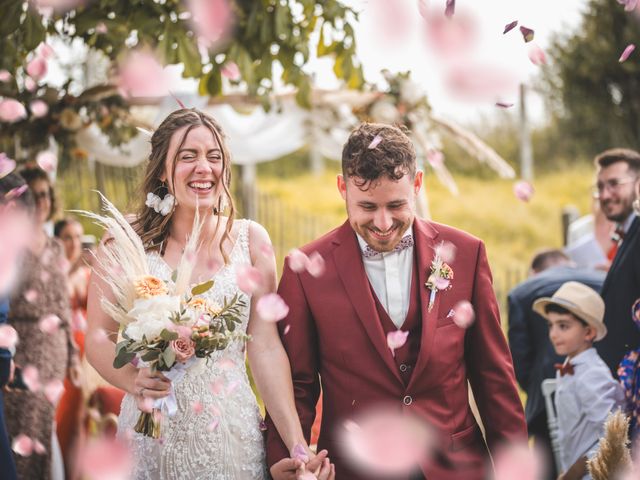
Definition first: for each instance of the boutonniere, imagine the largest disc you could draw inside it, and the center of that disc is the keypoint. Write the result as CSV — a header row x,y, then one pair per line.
x,y
440,278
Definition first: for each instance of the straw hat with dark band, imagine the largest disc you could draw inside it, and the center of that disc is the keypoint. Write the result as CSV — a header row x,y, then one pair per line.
x,y
582,301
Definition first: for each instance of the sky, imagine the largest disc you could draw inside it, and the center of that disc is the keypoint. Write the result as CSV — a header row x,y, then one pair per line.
x,y
395,39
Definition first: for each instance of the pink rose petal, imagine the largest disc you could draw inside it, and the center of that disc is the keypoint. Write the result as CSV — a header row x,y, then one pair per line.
x,y
147,405
38,108
249,278
22,445
315,265
463,315
450,8
504,104
216,387
510,26
225,363
31,378
527,34
12,110
396,340
215,411
30,84
53,390
212,19
49,323
391,20
523,190
5,76
213,425
451,37
266,249
480,82
101,28
39,447
37,68
272,308
31,295
231,71
297,260
8,336
197,407
7,165
442,283
232,386
106,458
57,5
141,74
286,329
519,461
47,161
375,142
627,51
435,158
446,251
629,5
537,55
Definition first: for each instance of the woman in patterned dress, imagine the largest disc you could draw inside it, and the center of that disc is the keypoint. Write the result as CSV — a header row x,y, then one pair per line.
x,y
216,432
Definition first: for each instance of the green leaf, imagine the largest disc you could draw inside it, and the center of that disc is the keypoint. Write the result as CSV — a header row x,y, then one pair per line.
x,y
168,335
303,96
10,18
169,357
34,31
189,55
123,358
174,276
151,356
203,287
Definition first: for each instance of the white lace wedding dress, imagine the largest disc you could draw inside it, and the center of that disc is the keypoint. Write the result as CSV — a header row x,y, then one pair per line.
x,y
215,433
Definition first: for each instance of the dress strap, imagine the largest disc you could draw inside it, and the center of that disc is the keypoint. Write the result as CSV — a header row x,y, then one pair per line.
x,y
243,237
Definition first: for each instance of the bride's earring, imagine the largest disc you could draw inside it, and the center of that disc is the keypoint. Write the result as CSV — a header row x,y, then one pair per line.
x,y
163,206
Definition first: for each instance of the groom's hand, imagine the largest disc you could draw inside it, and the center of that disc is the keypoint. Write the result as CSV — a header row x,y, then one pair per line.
x,y
286,469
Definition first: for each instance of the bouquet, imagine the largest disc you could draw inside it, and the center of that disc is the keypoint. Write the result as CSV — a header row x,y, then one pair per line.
x,y
166,326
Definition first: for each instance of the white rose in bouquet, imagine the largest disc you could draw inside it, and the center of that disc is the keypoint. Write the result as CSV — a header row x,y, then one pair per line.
x,y
151,316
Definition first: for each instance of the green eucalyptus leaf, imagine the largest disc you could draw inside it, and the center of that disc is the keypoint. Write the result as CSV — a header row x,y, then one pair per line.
x,y
168,335
123,358
203,287
169,357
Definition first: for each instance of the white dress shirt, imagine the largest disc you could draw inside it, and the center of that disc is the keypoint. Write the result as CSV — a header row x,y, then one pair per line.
x,y
389,274
583,401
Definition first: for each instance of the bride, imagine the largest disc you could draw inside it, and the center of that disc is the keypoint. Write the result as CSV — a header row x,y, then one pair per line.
x,y
216,432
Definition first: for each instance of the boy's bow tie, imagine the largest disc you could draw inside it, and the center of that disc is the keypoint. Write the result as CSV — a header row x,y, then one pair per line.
x,y
564,368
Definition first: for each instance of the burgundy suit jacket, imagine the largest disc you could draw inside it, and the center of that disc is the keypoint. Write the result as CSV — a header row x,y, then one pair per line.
x,y
335,338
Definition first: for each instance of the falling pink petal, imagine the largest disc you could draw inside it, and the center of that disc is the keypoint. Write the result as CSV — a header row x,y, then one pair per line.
x,y
100,335
396,340
217,387
5,76
442,283
197,407
37,68
53,390
231,71
297,260
451,37
286,329
519,461
38,108
142,75
78,321
272,308
147,405
537,55
8,337
213,265
7,165
446,251
629,5
190,256
16,192
31,378
435,158
213,425
106,458
387,443
215,411
47,161
232,386
627,51
49,323
391,20
480,82
315,265
22,445
375,142
527,34
504,104
12,110
463,315
31,295
299,452
249,278
266,249
39,447
58,5
101,28
30,84
212,19
450,8
510,26
523,190
225,363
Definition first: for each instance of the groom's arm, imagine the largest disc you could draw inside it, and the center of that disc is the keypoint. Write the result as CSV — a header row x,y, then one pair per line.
x,y
300,343
489,365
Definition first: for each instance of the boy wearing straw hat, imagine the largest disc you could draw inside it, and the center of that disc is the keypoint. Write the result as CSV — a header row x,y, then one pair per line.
x,y
586,392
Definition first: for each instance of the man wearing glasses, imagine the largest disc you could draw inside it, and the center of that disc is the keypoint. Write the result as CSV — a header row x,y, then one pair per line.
x,y
618,174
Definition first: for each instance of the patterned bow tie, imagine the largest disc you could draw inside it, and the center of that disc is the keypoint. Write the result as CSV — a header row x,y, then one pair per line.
x,y
564,369
405,242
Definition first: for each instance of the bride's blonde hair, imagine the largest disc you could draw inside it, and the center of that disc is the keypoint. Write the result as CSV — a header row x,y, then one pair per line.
x,y
152,227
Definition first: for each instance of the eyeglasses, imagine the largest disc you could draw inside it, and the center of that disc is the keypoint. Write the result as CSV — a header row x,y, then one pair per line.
x,y
611,185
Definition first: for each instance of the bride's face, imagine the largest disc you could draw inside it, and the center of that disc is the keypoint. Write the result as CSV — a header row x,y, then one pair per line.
x,y
197,178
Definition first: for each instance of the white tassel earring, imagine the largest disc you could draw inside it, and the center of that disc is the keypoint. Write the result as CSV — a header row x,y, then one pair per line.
x,y
163,206
222,204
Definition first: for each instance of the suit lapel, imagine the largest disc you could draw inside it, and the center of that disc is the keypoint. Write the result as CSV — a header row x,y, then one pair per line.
x,y
624,247
348,261
425,241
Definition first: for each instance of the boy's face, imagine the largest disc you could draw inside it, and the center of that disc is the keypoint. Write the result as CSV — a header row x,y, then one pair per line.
x,y
568,335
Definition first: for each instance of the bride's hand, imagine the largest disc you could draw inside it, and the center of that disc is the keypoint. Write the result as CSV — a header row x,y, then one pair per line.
x,y
150,385
326,471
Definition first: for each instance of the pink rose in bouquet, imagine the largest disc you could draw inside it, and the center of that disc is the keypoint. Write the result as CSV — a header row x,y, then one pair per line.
x,y
185,348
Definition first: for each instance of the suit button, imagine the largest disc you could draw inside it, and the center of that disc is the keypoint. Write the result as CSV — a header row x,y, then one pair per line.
x,y
407,400
403,367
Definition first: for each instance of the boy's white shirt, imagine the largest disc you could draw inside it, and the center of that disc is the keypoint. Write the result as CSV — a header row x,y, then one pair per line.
x,y
583,401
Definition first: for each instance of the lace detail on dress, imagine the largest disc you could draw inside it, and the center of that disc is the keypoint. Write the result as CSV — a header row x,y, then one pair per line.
x,y
216,432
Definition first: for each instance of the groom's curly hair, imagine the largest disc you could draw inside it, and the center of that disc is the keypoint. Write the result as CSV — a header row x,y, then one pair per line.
x,y
376,150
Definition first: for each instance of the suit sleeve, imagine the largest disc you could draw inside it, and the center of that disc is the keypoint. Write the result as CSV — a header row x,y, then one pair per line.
x,y
488,361
300,343
520,340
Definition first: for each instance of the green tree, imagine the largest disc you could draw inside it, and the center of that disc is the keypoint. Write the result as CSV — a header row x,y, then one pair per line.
x,y
595,99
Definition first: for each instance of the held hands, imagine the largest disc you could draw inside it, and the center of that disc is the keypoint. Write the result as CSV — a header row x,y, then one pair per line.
x,y
318,467
150,385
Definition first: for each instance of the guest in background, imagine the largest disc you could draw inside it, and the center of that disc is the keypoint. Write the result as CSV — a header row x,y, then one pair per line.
x,y
71,412
40,313
531,349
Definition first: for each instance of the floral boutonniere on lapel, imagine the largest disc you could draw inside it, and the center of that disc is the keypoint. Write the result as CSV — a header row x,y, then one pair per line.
x,y
439,278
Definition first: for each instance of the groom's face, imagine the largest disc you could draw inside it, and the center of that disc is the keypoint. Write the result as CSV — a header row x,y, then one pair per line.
x,y
382,212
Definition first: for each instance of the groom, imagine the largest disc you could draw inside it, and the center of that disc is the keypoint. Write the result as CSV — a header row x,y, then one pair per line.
x,y
377,265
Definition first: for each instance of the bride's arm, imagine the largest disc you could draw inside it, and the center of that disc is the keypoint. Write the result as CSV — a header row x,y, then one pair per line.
x,y
102,332
267,358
